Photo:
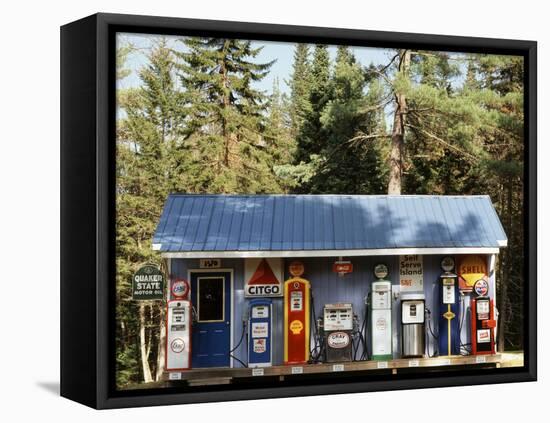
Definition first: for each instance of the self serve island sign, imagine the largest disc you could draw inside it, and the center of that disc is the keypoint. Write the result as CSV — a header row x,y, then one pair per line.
x,y
263,278
148,283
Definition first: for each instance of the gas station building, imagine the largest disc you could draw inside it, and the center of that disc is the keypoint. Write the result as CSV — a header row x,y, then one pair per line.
x,y
230,250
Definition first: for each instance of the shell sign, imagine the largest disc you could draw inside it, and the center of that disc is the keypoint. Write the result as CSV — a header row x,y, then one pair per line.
x,y
471,268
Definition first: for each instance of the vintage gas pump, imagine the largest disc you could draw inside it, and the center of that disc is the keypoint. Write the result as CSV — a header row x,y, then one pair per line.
x,y
338,327
381,309
412,324
449,315
178,336
260,333
296,316
483,320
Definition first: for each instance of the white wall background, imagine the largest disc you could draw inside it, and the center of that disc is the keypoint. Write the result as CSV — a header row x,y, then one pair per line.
x,y
29,205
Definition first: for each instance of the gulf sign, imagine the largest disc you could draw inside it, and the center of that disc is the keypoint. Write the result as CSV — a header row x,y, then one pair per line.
x,y
263,277
342,267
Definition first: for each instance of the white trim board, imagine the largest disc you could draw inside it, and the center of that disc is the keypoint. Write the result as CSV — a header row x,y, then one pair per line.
x,y
331,253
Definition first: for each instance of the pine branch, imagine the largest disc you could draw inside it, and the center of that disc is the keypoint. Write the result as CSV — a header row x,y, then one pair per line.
x,y
469,156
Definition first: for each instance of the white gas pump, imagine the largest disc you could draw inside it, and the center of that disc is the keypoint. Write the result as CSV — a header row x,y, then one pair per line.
x,y
178,336
338,327
381,310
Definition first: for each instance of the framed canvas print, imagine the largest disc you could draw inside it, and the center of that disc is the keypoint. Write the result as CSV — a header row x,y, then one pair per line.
x,y
259,211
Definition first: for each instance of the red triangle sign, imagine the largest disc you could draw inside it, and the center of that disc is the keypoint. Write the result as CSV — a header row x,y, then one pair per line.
x,y
263,275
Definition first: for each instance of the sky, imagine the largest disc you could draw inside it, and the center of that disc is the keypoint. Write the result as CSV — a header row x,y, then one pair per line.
x,y
282,52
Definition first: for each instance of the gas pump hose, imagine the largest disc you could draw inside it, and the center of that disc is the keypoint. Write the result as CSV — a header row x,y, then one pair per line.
x,y
238,345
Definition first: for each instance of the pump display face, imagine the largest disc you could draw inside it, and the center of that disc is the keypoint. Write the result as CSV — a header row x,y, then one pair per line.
x,y
260,333
412,311
381,295
449,296
338,317
482,309
449,312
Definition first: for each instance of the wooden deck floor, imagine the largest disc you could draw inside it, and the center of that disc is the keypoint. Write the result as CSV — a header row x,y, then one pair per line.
x,y
225,375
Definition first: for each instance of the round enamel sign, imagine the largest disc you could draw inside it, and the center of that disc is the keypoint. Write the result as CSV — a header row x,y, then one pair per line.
x,y
481,288
380,271
448,264
180,288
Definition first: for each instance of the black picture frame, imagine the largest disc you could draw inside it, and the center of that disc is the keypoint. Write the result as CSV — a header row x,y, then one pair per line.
x,y
87,205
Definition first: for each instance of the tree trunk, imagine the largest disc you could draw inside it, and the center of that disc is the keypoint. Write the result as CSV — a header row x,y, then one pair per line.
x,y
143,346
161,347
398,131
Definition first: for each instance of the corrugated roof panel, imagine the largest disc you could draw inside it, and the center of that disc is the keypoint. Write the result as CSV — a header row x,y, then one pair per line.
x,y
166,212
298,224
403,234
176,225
249,208
288,221
468,228
203,224
355,224
483,226
452,220
234,239
222,236
339,223
192,223
442,237
431,228
267,224
309,224
211,234
325,222
278,224
327,230
492,225
256,224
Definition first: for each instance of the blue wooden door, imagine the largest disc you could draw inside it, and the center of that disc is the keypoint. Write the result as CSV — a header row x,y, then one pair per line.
x,y
211,298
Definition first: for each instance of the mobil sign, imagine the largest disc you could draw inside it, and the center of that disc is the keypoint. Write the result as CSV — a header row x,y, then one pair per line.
x,y
263,277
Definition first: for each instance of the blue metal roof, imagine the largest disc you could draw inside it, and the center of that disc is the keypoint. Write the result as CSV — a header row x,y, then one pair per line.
x,y
326,222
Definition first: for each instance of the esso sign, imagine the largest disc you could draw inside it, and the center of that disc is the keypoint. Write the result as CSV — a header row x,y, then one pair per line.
x,y
263,290
180,288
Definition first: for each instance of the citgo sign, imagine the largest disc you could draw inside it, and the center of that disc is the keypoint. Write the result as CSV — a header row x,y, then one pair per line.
x,y
263,278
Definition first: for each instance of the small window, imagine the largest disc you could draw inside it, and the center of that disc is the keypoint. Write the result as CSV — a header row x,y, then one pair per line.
x,y
210,299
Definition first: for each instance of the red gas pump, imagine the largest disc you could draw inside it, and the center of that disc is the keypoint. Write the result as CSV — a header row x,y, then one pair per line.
x,y
296,321
483,320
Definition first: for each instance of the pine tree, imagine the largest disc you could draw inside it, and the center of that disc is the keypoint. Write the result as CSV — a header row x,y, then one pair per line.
x,y
351,167
300,86
226,115
311,139
146,133
279,143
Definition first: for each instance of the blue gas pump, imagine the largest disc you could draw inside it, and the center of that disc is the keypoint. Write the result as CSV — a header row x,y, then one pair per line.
x,y
449,314
260,332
